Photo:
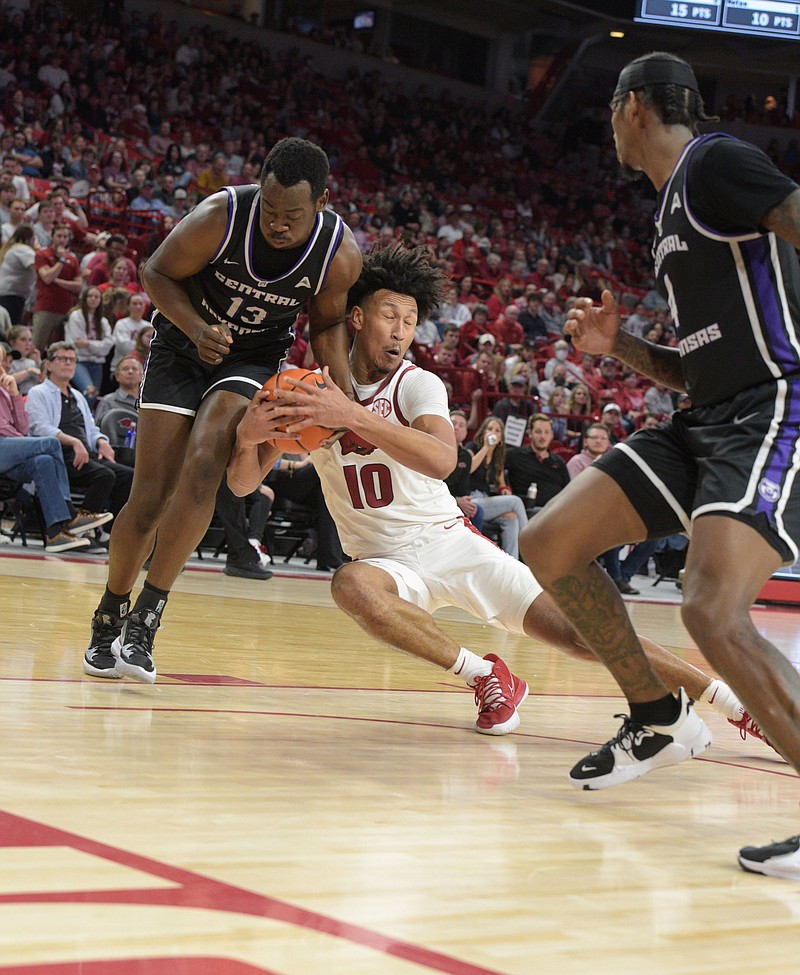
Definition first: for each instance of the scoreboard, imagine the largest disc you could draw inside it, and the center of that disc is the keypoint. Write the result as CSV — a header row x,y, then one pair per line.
x,y
764,18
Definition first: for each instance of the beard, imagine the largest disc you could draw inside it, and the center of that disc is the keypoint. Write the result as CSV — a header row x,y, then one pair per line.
x,y
629,173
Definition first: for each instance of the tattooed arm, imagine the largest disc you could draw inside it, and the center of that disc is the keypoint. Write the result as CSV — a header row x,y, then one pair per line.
x,y
597,330
784,219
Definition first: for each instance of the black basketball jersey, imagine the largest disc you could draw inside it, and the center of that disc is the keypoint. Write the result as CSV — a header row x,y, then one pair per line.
x,y
735,297
259,312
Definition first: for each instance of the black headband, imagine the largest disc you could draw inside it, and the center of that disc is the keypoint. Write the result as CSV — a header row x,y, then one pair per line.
x,y
656,71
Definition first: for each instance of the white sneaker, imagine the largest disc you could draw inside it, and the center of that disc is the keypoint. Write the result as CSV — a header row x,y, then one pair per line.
x,y
638,749
263,556
773,860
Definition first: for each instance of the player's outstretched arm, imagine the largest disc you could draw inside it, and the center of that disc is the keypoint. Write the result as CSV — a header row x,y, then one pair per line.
x,y
596,329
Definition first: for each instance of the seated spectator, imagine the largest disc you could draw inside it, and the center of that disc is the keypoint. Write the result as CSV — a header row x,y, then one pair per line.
x,y
658,400
516,403
98,268
120,278
173,164
535,465
39,460
90,334
472,330
458,482
452,311
559,377
56,409
17,212
612,420
45,221
128,375
116,305
488,485
507,330
638,322
149,208
26,364
501,297
141,347
127,328
530,318
17,272
556,407
552,315
116,176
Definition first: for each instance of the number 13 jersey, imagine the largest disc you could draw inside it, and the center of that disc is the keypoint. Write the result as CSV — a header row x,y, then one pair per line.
x,y
378,504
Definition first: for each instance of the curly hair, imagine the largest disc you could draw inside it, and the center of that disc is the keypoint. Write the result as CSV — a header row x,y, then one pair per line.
x,y
404,270
294,160
674,104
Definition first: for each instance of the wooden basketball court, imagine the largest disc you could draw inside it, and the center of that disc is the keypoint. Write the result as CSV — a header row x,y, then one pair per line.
x,y
292,798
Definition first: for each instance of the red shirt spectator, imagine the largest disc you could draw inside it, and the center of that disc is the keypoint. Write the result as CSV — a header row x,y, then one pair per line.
x,y
52,296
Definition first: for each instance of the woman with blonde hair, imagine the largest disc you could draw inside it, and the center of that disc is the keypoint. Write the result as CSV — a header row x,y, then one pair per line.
x,y
17,272
579,404
501,508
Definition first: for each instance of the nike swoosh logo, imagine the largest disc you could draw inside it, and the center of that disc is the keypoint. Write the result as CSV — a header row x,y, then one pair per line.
x,y
447,527
226,261
743,419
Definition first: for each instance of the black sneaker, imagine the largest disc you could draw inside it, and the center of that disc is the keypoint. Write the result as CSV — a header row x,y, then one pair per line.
x,y
638,749
253,571
773,860
133,648
99,661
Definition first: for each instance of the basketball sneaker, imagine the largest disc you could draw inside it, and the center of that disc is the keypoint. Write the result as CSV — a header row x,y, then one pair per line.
x,y
749,729
133,648
773,860
638,749
498,695
99,661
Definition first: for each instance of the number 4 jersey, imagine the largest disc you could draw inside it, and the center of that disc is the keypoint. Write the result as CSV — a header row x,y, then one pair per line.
x,y
379,505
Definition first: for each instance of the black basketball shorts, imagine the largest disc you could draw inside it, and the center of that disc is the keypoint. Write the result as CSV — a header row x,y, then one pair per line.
x,y
177,380
739,458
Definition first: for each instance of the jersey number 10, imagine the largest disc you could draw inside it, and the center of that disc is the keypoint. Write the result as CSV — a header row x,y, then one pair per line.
x,y
369,486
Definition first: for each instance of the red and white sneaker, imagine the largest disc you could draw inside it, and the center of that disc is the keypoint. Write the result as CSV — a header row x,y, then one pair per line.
x,y
749,729
498,695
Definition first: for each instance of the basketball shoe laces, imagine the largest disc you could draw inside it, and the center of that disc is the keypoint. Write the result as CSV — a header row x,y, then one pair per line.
x,y
630,734
140,631
489,694
105,631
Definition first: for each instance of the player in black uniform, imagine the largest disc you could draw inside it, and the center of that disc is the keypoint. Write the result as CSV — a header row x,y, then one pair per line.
x,y
228,283
727,223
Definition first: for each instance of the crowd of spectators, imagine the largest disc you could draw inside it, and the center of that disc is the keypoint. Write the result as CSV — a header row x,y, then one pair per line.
x,y
112,129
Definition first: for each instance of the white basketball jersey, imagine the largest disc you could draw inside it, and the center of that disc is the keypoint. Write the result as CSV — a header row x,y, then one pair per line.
x,y
378,504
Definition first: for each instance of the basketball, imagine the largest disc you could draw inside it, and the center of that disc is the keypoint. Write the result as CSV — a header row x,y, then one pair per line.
x,y
311,437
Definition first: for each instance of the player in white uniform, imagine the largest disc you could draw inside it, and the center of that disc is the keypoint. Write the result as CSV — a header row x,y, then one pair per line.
x,y
414,550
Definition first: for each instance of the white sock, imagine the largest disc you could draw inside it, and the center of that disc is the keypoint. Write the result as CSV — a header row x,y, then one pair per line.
x,y
469,666
722,699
